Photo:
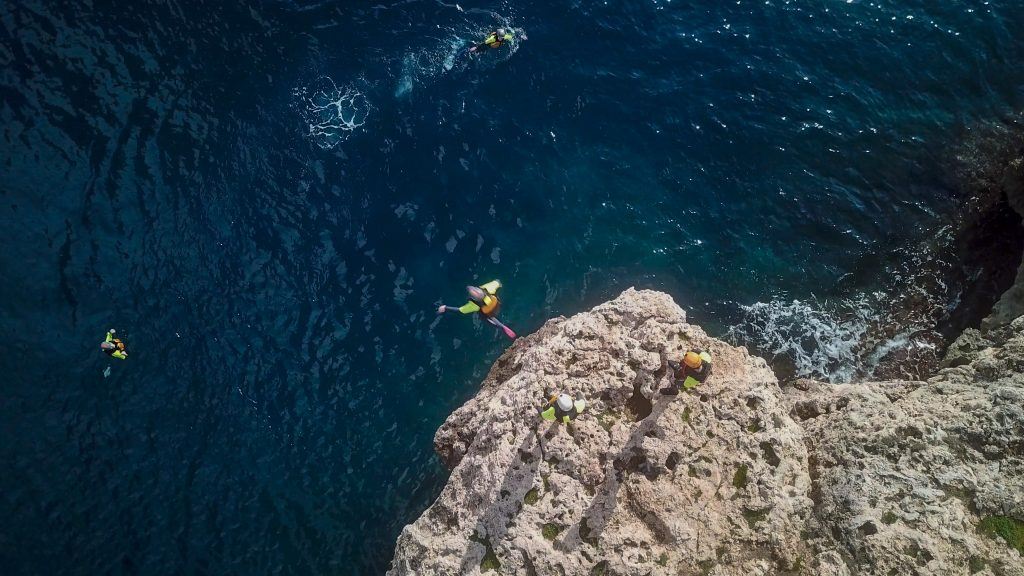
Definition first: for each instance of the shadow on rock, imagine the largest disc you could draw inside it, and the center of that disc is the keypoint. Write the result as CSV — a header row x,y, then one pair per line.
x,y
493,522
630,460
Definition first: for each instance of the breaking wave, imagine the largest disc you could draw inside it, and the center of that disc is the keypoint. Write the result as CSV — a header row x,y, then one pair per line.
x,y
823,339
894,332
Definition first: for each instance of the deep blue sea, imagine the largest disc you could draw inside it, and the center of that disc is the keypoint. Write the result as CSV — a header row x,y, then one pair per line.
x,y
268,200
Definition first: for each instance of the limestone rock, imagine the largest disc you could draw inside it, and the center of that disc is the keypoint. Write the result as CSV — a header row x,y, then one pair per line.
x,y
735,477
903,473
710,481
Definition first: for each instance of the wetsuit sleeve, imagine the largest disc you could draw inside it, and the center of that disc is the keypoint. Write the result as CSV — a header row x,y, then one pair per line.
x,y
548,414
109,337
690,382
120,355
469,308
580,406
492,286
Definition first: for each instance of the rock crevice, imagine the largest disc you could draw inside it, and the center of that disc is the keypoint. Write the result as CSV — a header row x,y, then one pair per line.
x,y
738,476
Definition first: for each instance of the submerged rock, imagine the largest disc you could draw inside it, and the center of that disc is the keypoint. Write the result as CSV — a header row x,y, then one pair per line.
x,y
734,477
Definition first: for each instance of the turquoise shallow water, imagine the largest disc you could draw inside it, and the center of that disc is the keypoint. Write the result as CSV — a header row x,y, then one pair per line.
x,y
268,200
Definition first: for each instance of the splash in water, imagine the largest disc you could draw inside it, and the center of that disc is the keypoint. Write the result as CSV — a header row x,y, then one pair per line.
x,y
450,54
332,114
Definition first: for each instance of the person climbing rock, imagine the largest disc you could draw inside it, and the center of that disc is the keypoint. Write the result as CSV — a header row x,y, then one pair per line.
x,y
690,373
562,408
114,347
493,41
482,299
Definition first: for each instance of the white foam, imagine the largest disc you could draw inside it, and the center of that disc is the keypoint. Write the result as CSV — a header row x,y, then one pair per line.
x,y
332,113
822,339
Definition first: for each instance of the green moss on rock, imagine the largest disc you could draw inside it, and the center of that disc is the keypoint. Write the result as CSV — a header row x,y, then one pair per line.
x,y
532,496
739,480
754,516
607,420
551,531
490,560
1009,529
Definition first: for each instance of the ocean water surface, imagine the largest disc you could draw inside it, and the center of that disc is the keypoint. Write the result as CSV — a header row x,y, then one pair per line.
x,y
269,199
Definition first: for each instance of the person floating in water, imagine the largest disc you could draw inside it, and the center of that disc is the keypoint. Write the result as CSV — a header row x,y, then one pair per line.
x,y
114,347
482,299
693,371
493,41
562,408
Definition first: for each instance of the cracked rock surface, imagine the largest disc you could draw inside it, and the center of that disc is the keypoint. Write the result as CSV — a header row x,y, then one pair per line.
x,y
641,483
905,472
734,477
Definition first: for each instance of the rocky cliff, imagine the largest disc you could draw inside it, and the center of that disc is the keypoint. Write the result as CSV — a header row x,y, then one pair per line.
x,y
737,476
741,476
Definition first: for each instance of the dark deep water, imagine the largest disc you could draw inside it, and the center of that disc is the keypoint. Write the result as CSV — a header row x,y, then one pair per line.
x,y
184,172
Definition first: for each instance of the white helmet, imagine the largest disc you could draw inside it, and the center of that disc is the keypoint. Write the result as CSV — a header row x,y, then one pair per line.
x,y
564,402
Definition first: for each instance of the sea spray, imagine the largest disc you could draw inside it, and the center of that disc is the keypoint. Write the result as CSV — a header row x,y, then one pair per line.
x,y
893,332
819,338
930,293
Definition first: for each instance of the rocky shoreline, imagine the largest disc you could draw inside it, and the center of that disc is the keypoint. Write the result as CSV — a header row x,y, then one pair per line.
x,y
741,475
738,476
922,296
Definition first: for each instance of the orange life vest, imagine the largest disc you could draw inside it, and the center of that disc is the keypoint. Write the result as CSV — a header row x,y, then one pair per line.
x,y
118,347
490,305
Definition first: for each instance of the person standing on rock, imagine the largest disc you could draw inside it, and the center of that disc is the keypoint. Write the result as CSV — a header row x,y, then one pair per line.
x,y
562,408
690,373
482,299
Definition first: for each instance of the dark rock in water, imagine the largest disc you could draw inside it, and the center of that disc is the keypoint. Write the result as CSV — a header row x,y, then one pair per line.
x,y
915,359
957,279
930,292
991,169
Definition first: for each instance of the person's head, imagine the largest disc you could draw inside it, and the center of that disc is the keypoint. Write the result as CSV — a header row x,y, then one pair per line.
x,y
501,31
106,346
564,402
476,294
692,359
